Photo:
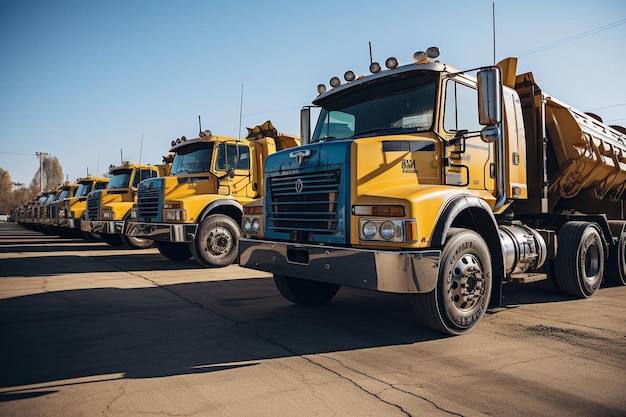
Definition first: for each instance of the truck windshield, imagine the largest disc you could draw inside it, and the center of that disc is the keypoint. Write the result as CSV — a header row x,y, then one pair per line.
x,y
119,179
83,190
192,159
63,194
400,104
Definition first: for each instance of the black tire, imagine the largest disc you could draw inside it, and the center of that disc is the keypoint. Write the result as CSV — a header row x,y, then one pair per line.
x,y
174,251
579,261
616,263
112,240
305,292
216,242
461,297
132,242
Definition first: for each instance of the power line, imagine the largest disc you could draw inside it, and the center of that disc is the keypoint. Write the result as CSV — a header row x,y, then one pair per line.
x,y
608,107
571,38
14,153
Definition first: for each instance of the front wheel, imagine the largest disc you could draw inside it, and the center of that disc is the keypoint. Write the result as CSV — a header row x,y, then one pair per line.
x,y
580,259
132,242
112,240
305,292
460,298
174,250
216,242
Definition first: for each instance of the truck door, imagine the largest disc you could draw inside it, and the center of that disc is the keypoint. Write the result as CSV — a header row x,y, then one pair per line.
x,y
471,160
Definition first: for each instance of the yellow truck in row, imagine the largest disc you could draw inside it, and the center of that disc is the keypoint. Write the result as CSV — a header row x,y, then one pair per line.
x,y
196,209
444,184
109,209
70,209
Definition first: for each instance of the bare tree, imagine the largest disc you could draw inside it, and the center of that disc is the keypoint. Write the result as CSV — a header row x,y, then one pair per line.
x,y
6,192
51,174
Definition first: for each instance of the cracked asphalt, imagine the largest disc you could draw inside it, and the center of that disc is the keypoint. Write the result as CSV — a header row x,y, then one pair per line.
x,y
91,330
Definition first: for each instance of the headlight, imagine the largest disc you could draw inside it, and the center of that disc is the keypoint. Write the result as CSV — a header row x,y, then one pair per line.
x,y
175,215
250,225
387,230
369,230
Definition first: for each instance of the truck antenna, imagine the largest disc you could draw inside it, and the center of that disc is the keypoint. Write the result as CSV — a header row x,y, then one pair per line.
x,y
199,124
493,25
140,148
371,60
240,110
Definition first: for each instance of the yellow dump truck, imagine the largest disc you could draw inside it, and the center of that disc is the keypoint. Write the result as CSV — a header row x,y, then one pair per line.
x,y
71,209
51,219
443,184
196,210
109,209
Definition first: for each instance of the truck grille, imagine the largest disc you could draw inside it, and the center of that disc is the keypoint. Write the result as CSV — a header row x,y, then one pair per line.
x,y
304,202
93,205
148,204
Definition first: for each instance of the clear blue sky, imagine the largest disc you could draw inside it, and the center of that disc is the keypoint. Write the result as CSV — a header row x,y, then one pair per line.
x,y
83,79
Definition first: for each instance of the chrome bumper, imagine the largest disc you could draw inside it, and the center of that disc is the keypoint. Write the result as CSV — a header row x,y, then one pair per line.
x,y
163,232
397,272
111,227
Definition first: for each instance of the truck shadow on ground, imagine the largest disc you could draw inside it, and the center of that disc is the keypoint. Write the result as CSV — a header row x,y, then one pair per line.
x,y
55,339
134,261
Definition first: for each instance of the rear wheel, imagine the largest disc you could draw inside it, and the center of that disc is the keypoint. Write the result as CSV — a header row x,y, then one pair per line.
x,y
174,251
579,261
217,240
305,292
616,263
461,296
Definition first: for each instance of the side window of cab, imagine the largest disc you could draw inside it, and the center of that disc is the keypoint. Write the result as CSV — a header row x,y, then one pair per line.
x,y
461,111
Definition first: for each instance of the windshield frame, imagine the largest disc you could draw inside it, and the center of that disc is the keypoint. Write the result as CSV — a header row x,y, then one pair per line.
x,y
123,181
398,104
200,153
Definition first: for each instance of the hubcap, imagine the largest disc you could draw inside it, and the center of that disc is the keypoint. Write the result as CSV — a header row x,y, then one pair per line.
x,y
467,286
219,241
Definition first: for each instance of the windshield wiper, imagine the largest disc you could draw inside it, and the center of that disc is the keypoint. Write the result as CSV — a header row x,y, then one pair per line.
x,y
325,138
379,130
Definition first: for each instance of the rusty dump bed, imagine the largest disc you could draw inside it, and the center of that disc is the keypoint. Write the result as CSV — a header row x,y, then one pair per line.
x,y
591,156
585,158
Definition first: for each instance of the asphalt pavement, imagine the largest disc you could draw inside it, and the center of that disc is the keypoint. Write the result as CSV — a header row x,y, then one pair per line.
x,y
91,330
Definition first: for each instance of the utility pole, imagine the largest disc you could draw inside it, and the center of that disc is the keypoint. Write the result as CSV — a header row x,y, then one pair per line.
x,y
41,156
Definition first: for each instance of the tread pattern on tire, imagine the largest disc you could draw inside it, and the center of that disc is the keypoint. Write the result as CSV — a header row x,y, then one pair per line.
x,y
568,258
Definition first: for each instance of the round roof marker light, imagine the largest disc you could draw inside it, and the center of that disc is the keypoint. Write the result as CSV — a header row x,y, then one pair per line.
x,y
391,63
375,67
335,82
183,138
173,142
349,76
321,88
432,52
420,57
178,140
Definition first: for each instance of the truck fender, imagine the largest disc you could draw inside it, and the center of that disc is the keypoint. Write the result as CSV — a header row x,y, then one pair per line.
x,y
471,212
226,206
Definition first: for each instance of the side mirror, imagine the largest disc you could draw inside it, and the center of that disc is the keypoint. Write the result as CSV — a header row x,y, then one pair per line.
x,y
489,97
305,125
